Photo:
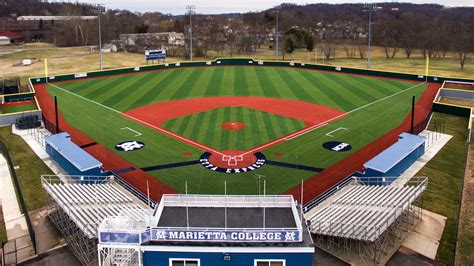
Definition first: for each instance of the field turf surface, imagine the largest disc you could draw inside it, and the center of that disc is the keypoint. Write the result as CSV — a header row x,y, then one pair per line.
x,y
373,107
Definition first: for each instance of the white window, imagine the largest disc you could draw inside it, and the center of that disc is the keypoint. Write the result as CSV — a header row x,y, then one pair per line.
x,y
185,262
269,263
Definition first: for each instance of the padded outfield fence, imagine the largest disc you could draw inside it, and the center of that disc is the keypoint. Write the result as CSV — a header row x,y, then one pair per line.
x,y
243,62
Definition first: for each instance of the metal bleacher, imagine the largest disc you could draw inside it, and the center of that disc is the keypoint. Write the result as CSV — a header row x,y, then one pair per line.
x,y
78,204
87,202
359,215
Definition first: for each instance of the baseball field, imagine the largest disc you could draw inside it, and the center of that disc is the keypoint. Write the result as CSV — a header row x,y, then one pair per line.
x,y
208,125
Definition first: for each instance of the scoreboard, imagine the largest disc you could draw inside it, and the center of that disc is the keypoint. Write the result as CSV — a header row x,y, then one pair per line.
x,y
155,55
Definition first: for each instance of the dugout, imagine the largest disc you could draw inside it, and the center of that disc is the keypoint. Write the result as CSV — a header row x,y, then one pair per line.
x,y
211,230
393,161
73,159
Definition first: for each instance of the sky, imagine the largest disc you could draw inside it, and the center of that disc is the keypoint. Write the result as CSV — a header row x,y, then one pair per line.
x,y
177,7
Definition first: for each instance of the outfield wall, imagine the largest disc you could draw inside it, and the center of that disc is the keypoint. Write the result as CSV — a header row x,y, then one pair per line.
x,y
245,62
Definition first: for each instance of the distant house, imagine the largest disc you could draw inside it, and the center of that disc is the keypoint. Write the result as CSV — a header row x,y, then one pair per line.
x,y
152,39
109,48
12,36
4,40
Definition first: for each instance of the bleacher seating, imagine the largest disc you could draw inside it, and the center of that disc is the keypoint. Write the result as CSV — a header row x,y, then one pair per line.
x,y
363,212
88,204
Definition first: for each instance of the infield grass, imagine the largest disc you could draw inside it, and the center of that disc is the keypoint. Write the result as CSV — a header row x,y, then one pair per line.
x,y
260,127
375,107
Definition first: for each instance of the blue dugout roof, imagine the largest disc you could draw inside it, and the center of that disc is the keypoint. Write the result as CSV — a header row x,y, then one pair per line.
x,y
387,159
82,160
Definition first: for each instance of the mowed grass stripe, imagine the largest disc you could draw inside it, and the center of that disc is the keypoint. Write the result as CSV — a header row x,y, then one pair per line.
x,y
269,89
348,83
203,128
184,124
139,92
106,87
284,90
233,142
224,139
183,91
253,83
216,140
262,127
210,132
296,84
251,129
215,81
378,86
323,91
123,91
348,90
190,125
84,86
313,90
198,123
336,91
149,92
371,89
170,90
87,86
198,88
227,84
240,82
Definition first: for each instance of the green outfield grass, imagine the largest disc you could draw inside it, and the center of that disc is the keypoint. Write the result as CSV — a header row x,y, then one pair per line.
x,y
18,108
260,127
374,106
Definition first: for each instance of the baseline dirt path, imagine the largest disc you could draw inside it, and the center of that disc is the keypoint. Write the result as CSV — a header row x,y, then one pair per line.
x,y
157,113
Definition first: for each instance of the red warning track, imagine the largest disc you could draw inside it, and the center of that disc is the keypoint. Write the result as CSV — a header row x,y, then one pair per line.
x,y
111,161
328,178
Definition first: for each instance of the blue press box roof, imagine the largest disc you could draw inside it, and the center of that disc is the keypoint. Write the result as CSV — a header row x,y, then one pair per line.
x,y
82,160
387,159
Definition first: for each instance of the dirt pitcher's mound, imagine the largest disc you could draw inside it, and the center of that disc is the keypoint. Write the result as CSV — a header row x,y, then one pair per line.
x,y
233,126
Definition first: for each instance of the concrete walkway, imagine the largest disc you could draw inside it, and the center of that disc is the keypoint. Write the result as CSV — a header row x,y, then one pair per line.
x,y
15,222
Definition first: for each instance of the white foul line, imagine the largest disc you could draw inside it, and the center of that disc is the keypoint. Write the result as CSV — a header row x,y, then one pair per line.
x,y
143,122
134,131
337,129
312,128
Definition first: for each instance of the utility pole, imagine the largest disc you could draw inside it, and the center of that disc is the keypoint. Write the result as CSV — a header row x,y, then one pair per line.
x,y
100,8
276,35
190,9
369,7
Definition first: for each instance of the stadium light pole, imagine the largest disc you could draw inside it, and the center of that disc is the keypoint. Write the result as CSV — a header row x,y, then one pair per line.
x,y
369,7
276,35
100,7
190,9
